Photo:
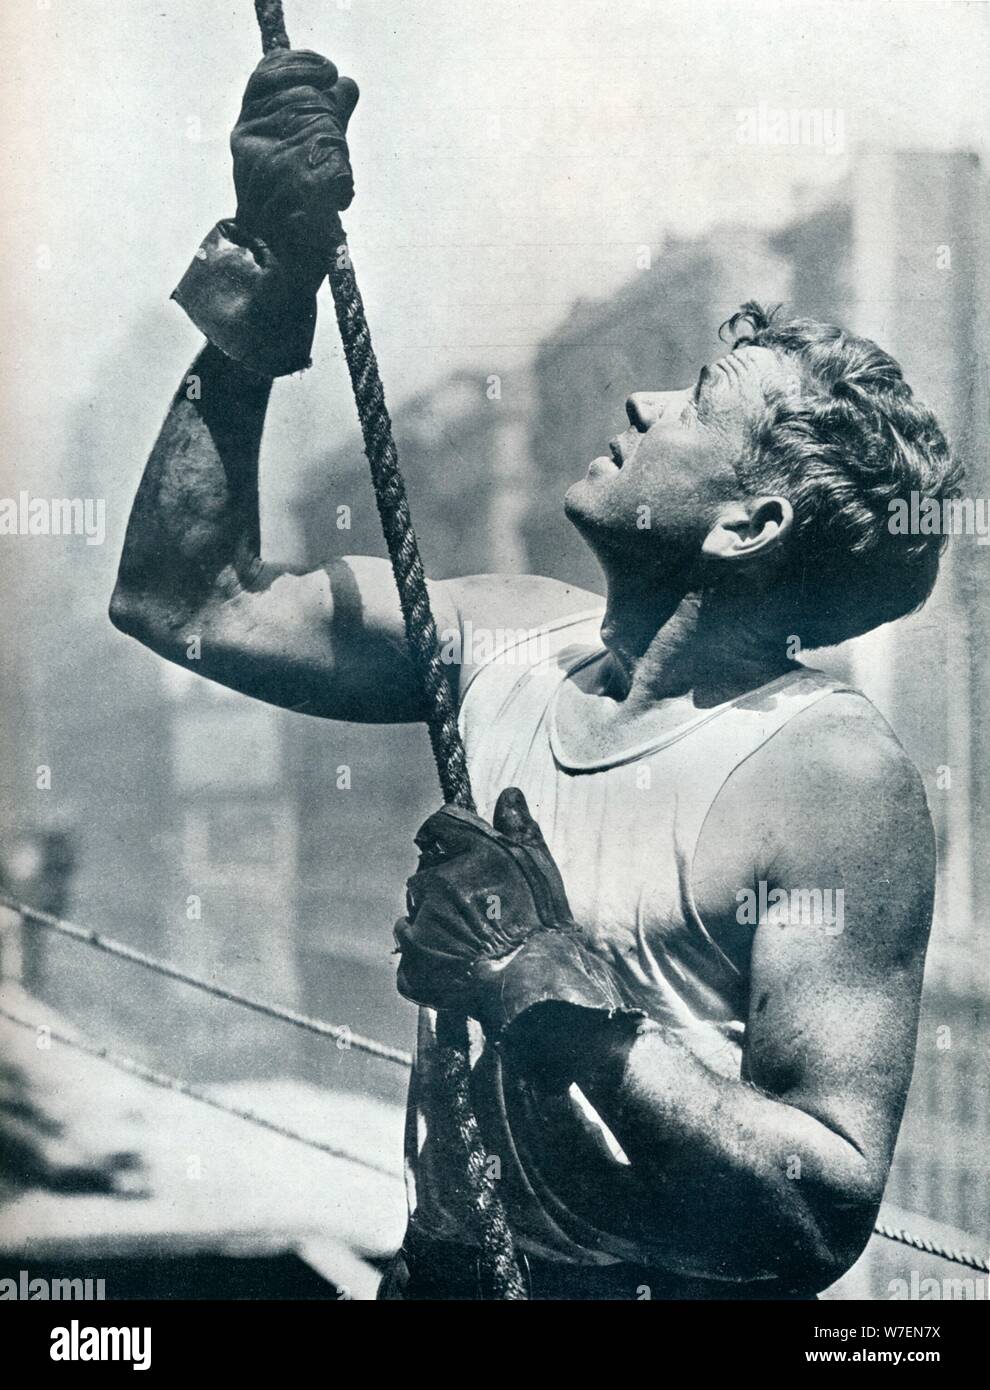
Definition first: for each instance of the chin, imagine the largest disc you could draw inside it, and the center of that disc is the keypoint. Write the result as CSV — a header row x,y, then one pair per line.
x,y
583,510
579,504
572,499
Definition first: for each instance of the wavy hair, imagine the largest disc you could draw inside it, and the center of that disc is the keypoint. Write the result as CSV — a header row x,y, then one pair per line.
x,y
854,439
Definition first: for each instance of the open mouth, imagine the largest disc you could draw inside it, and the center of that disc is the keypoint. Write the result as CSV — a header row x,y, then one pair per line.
x,y
615,453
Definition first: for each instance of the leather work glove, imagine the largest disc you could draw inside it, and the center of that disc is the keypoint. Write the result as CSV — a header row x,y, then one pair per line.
x,y
251,288
292,173
489,933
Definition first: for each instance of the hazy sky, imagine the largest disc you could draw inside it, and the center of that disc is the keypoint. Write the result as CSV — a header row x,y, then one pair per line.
x,y
509,156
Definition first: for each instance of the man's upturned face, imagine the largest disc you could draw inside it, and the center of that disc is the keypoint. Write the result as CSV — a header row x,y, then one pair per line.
x,y
658,489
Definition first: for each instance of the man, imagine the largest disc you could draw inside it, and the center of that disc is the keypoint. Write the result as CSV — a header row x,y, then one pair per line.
x,y
694,996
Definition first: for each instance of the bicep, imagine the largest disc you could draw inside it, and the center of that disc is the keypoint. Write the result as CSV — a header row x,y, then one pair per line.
x,y
328,642
832,1037
331,642
837,960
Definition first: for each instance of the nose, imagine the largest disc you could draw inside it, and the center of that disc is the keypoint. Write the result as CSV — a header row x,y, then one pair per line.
x,y
644,409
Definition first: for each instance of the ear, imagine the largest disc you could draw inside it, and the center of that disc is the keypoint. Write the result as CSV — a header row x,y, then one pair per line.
x,y
749,527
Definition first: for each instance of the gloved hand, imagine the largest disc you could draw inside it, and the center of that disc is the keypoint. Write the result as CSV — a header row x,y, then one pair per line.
x,y
489,933
251,287
292,171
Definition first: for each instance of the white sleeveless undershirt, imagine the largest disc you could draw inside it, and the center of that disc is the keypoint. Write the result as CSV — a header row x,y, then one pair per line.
x,y
623,831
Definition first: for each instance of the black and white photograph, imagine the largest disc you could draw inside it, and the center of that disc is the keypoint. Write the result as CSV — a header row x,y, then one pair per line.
x,y
494,753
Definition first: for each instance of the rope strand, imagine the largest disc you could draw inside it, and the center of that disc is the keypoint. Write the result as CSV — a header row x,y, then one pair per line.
x,y
271,22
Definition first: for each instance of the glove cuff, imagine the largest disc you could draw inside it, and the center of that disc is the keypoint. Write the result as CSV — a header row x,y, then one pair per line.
x,y
551,968
249,304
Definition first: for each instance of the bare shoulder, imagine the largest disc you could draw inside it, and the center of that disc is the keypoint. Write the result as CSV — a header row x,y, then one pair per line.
x,y
832,799
843,744
517,600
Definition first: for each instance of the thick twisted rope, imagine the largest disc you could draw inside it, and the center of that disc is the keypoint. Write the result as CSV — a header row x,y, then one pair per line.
x,y
499,1268
400,537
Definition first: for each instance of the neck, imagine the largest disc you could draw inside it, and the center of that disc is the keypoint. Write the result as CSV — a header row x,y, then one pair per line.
x,y
666,644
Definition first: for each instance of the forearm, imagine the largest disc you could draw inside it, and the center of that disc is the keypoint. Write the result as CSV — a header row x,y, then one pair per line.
x,y
194,529
723,1181
732,1183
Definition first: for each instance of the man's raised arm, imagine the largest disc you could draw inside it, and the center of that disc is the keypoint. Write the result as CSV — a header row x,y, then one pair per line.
x,y
329,642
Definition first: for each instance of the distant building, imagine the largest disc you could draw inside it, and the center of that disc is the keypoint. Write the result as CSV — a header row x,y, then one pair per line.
x,y
464,448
